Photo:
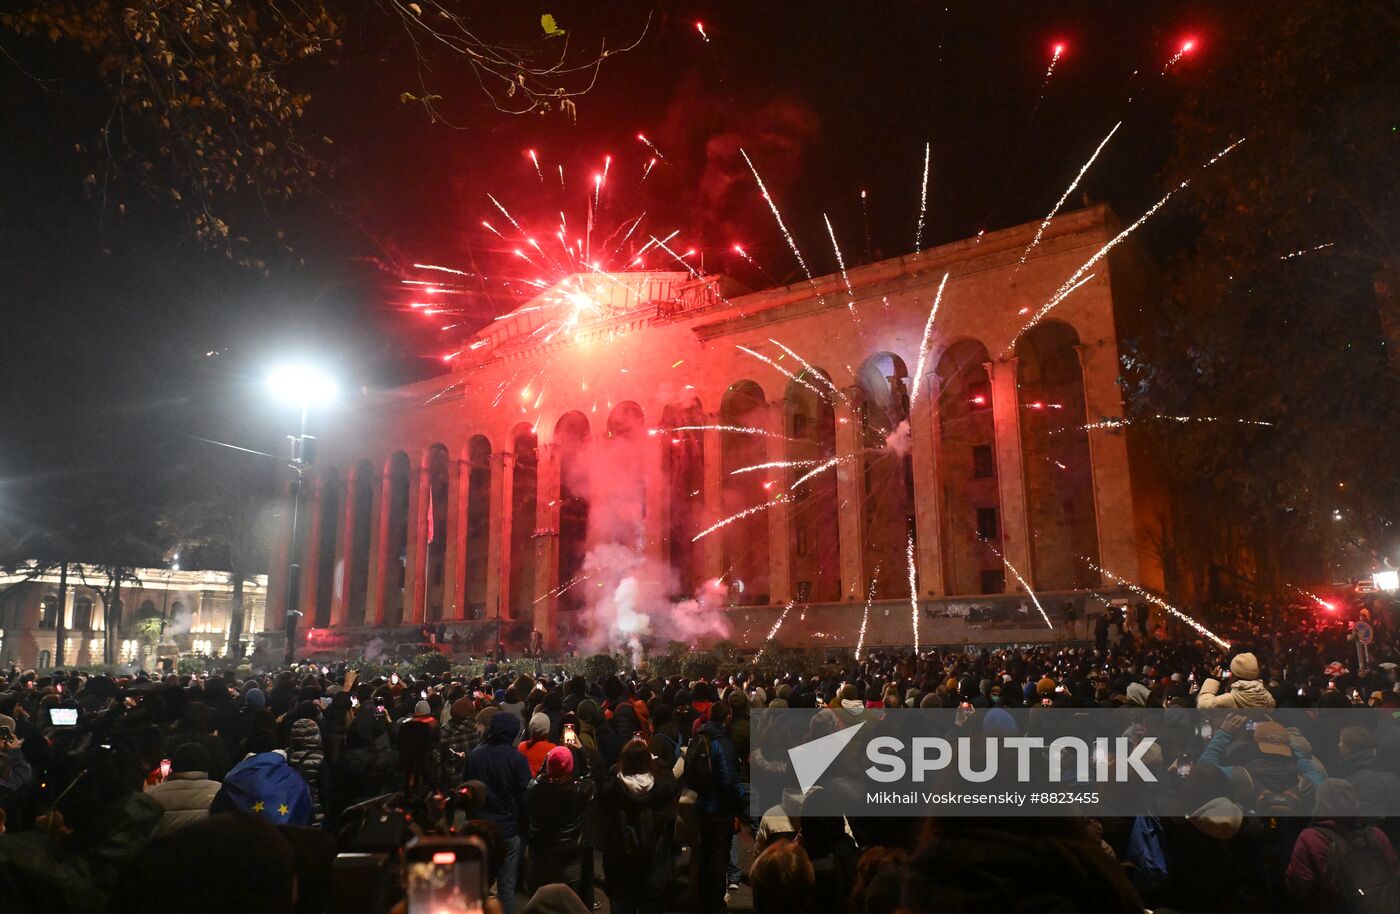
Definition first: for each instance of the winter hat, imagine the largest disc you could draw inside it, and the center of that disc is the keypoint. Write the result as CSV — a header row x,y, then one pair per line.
x,y
999,722
848,693
190,757
255,698
1245,666
1138,694
559,762
499,695
1045,686
1336,799
1220,818
538,727
461,709
422,709
484,716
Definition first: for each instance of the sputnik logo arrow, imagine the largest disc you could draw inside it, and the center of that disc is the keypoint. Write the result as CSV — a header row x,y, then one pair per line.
x,y
810,760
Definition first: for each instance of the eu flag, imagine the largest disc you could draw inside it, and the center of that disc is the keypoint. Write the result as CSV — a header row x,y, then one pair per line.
x,y
265,785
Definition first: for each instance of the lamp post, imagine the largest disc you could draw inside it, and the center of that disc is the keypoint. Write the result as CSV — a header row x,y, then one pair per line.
x,y
303,387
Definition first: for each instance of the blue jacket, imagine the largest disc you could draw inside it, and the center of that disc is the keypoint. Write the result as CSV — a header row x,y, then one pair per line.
x,y
724,760
504,771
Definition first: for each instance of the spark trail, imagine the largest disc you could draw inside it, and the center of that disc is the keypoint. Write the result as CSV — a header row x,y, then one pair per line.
x,y
775,465
845,277
534,158
865,617
738,249
923,201
736,429
913,590
805,364
1077,278
1121,423
1024,582
818,469
1068,190
1154,599
796,378
773,632
772,205
747,512
924,346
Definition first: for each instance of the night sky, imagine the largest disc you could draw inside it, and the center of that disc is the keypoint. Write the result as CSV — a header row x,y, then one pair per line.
x,y
108,319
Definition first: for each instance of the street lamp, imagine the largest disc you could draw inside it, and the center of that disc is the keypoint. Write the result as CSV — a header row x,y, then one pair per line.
x,y
303,386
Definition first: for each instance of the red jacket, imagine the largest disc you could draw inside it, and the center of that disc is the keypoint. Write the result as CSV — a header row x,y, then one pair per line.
x,y
1307,878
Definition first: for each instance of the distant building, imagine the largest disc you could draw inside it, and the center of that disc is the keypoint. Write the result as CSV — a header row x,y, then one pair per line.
x,y
592,415
196,607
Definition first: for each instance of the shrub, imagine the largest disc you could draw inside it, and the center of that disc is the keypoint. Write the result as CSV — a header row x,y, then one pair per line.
x,y
699,665
430,663
598,667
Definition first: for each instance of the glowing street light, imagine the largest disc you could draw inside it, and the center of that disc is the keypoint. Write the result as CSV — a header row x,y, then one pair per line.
x,y
303,386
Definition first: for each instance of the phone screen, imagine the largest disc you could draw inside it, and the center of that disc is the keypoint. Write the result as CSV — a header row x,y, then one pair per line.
x,y
449,882
63,717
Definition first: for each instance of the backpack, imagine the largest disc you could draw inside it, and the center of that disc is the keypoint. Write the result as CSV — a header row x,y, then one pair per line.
x,y
1279,803
699,772
1358,873
640,836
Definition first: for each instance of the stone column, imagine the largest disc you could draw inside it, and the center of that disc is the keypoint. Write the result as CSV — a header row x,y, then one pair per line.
x,y
712,546
275,609
1011,471
498,534
546,544
780,536
344,554
378,544
656,454
850,495
311,554
1115,518
415,582
923,425
455,555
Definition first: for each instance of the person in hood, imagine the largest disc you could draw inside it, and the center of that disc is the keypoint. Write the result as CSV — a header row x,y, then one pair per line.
x,y
265,785
555,803
506,774
1246,690
1376,787
304,753
1336,820
637,809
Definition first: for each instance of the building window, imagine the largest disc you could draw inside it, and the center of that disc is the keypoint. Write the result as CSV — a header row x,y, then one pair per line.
x,y
803,546
82,614
983,466
988,527
993,580
48,612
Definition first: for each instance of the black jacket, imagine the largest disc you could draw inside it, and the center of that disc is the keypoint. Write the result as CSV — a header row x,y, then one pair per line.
x,y
555,811
638,826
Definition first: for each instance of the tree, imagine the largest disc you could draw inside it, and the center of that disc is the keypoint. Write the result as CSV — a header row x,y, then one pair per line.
x,y
203,103
1284,309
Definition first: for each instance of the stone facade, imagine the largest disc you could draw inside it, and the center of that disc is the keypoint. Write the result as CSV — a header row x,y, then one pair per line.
x,y
472,498
196,607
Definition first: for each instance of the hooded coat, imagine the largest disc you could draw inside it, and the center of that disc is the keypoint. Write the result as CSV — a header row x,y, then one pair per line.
x,y
1246,691
638,824
504,771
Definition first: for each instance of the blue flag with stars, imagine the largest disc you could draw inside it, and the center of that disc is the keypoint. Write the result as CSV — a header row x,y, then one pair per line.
x,y
265,785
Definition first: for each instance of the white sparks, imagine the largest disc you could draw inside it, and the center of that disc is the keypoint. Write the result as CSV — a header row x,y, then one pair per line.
x,y
775,465
796,378
1120,423
505,212
845,277
747,512
1303,251
1024,583
865,617
807,365
433,266
923,201
736,429
792,242
913,590
924,345
772,632
819,468
1154,599
1072,185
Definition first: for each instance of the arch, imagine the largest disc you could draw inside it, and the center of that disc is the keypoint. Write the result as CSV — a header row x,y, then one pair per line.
x,y
472,587
684,465
331,492
970,501
1059,475
48,611
397,473
888,478
523,495
362,479
744,542
618,513
437,466
572,438
814,521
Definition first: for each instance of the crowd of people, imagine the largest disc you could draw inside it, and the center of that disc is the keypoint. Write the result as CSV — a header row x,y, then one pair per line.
x,y
235,791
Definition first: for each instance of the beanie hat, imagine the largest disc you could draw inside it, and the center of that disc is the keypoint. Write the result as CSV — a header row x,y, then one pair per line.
x,y
1045,686
422,709
1244,666
999,722
255,698
190,757
538,727
559,761
461,709
485,714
